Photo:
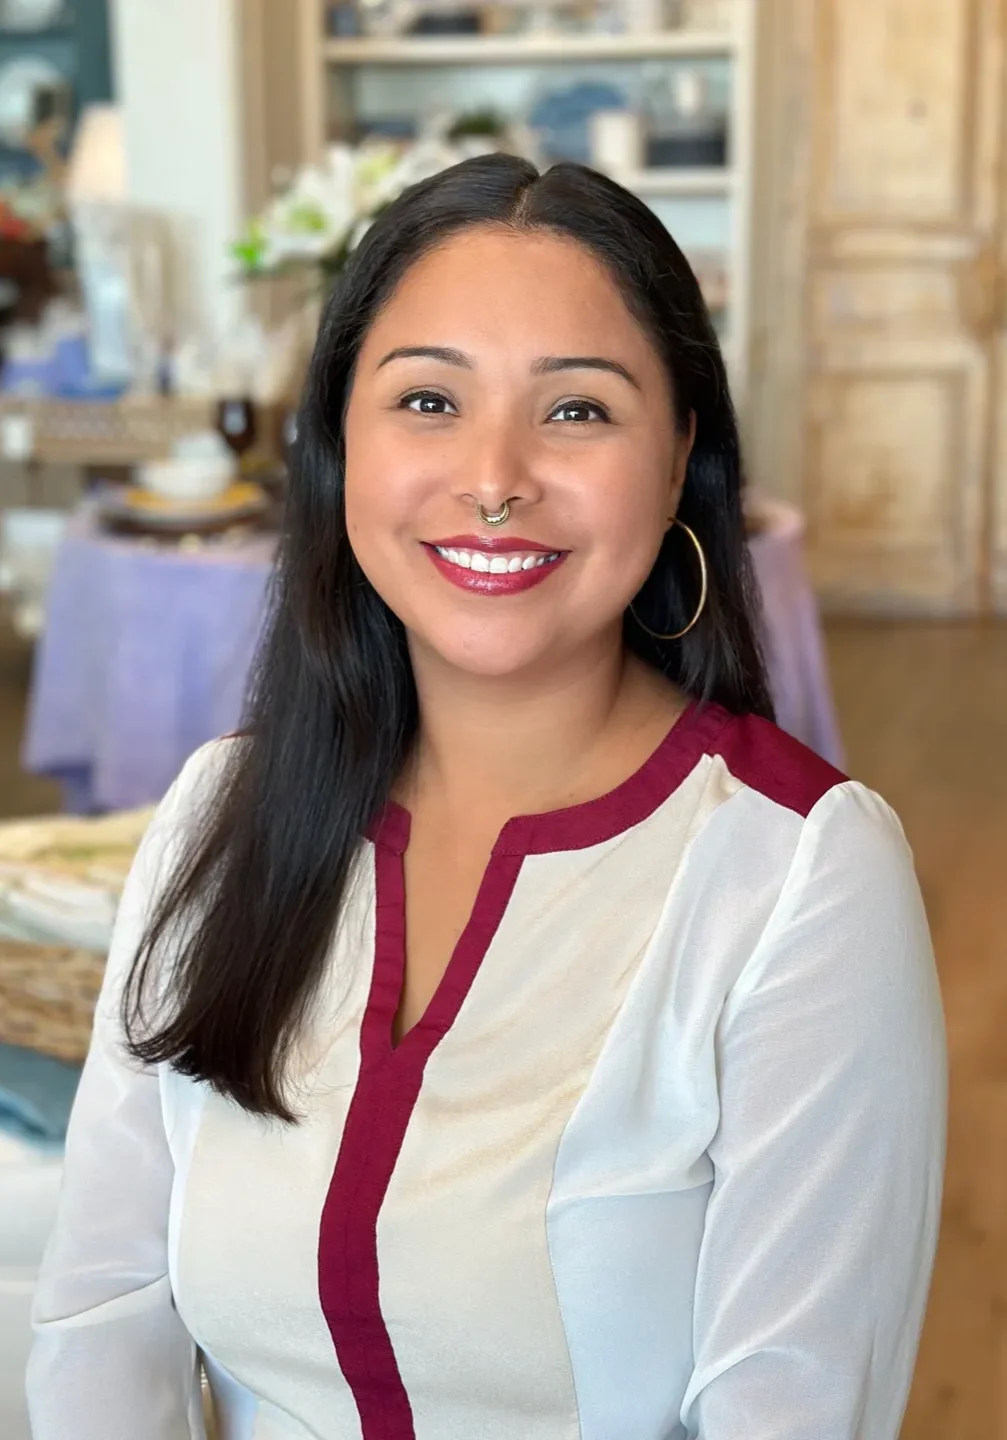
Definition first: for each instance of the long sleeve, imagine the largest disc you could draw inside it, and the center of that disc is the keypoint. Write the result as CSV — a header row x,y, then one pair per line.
x,y
822,1224
112,1360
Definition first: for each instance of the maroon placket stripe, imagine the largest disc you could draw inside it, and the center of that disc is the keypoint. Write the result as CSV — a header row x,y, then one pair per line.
x,y
386,1093
390,1079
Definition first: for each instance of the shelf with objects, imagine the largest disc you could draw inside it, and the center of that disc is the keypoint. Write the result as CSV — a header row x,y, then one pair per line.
x,y
524,49
656,93
108,367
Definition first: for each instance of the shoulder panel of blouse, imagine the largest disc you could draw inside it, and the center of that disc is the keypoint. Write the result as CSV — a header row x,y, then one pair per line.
x,y
828,1153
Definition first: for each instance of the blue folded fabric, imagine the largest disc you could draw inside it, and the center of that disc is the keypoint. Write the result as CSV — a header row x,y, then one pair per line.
x,y
36,1096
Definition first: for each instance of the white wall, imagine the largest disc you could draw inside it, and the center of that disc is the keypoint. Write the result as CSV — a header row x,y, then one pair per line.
x,y
178,74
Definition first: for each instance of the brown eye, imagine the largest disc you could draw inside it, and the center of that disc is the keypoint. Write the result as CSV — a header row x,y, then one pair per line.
x,y
579,412
428,402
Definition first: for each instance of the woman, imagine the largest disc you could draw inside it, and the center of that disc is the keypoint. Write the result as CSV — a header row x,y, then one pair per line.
x,y
526,1039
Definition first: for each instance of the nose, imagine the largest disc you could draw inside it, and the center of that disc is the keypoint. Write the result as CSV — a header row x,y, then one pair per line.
x,y
498,469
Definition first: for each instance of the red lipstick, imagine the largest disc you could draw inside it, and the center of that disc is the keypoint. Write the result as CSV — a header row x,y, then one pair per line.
x,y
465,560
495,544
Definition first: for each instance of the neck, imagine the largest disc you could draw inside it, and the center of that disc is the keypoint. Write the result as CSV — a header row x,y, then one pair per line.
x,y
505,746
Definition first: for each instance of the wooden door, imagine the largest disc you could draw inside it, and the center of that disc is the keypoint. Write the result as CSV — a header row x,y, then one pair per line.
x,y
998,527
880,332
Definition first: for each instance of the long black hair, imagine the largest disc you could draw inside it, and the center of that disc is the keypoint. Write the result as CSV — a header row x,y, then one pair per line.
x,y
252,902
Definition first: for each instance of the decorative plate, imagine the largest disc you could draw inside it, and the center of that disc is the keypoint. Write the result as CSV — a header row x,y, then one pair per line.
x,y
143,511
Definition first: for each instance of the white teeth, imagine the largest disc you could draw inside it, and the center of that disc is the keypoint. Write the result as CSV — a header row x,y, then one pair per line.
x,y
496,564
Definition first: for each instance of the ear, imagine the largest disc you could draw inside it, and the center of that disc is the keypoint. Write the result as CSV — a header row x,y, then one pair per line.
x,y
683,450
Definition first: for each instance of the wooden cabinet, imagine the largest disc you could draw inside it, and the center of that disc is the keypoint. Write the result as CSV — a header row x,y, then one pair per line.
x,y
879,367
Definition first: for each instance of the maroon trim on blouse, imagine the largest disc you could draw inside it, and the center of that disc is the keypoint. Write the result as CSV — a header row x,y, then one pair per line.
x,y
689,739
767,759
386,1092
756,753
579,826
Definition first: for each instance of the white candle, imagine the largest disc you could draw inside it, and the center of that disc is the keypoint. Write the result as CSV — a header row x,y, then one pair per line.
x,y
17,437
616,141
644,16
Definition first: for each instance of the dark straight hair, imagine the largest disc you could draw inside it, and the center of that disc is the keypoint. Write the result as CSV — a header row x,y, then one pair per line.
x,y
250,908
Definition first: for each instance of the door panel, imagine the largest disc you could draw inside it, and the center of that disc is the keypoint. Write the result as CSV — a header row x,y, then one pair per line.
x,y
897,91
904,300
884,455
998,511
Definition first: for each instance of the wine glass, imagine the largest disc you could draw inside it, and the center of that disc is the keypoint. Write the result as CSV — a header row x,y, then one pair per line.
x,y
236,422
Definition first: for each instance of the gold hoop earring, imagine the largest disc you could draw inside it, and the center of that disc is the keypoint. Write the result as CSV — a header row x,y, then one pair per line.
x,y
703,592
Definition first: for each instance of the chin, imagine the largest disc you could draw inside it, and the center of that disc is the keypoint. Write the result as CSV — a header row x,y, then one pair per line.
x,y
493,652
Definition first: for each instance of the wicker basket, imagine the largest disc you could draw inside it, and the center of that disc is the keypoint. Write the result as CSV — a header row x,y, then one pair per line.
x,y
47,998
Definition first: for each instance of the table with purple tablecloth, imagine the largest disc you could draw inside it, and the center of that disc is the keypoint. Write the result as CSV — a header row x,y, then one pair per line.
x,y
146,653
792,634
145,656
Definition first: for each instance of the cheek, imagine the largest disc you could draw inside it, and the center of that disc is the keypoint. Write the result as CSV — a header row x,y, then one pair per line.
x,y
379,486
629,516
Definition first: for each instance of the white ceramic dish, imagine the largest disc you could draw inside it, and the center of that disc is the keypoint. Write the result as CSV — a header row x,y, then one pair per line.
x,y
188,479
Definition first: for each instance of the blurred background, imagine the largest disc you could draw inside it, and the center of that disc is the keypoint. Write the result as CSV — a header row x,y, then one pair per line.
x,y
179,184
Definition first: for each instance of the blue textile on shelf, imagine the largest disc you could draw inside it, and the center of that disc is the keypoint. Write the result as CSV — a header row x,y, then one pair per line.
x,y
64,374
562,118
36,1095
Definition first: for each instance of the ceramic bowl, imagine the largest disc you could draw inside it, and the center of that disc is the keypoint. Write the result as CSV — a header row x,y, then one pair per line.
x,y
188,479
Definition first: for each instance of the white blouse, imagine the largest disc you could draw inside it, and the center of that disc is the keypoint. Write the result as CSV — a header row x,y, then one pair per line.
x,y
662,1159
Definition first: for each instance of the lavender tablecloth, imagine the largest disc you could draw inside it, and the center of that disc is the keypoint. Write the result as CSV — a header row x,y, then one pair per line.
x,y
146,653
792,633
144,657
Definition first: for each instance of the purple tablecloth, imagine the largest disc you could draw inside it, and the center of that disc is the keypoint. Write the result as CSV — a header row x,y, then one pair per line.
x,y
792,633
146,654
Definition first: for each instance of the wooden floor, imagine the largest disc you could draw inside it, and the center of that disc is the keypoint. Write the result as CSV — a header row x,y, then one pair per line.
x,y
924,715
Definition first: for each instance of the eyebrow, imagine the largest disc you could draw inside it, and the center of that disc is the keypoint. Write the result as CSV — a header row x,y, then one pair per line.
x,y
429,352
550,364
545,365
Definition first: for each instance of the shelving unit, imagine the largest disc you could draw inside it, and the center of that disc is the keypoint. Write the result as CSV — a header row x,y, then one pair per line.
x,y
527,49
684,180
694,202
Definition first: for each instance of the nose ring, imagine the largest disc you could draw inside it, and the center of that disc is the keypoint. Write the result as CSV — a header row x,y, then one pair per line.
x,y
495,517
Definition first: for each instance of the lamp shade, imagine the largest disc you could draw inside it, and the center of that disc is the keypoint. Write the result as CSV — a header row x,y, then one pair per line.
x,y
97,168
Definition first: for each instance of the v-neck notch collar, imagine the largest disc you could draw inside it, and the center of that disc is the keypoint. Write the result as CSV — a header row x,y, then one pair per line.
x,y
592,822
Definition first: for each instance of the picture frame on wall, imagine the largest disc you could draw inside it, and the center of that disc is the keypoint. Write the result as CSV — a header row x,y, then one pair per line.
x,y
70,41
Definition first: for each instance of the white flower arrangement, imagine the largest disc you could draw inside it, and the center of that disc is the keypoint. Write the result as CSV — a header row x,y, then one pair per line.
x,y
319,220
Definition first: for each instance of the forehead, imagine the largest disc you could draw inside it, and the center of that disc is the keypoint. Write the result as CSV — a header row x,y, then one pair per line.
x,y
494,283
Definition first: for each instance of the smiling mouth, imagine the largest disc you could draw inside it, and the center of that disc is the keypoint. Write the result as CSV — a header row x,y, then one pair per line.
x,y
509,563
498,567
